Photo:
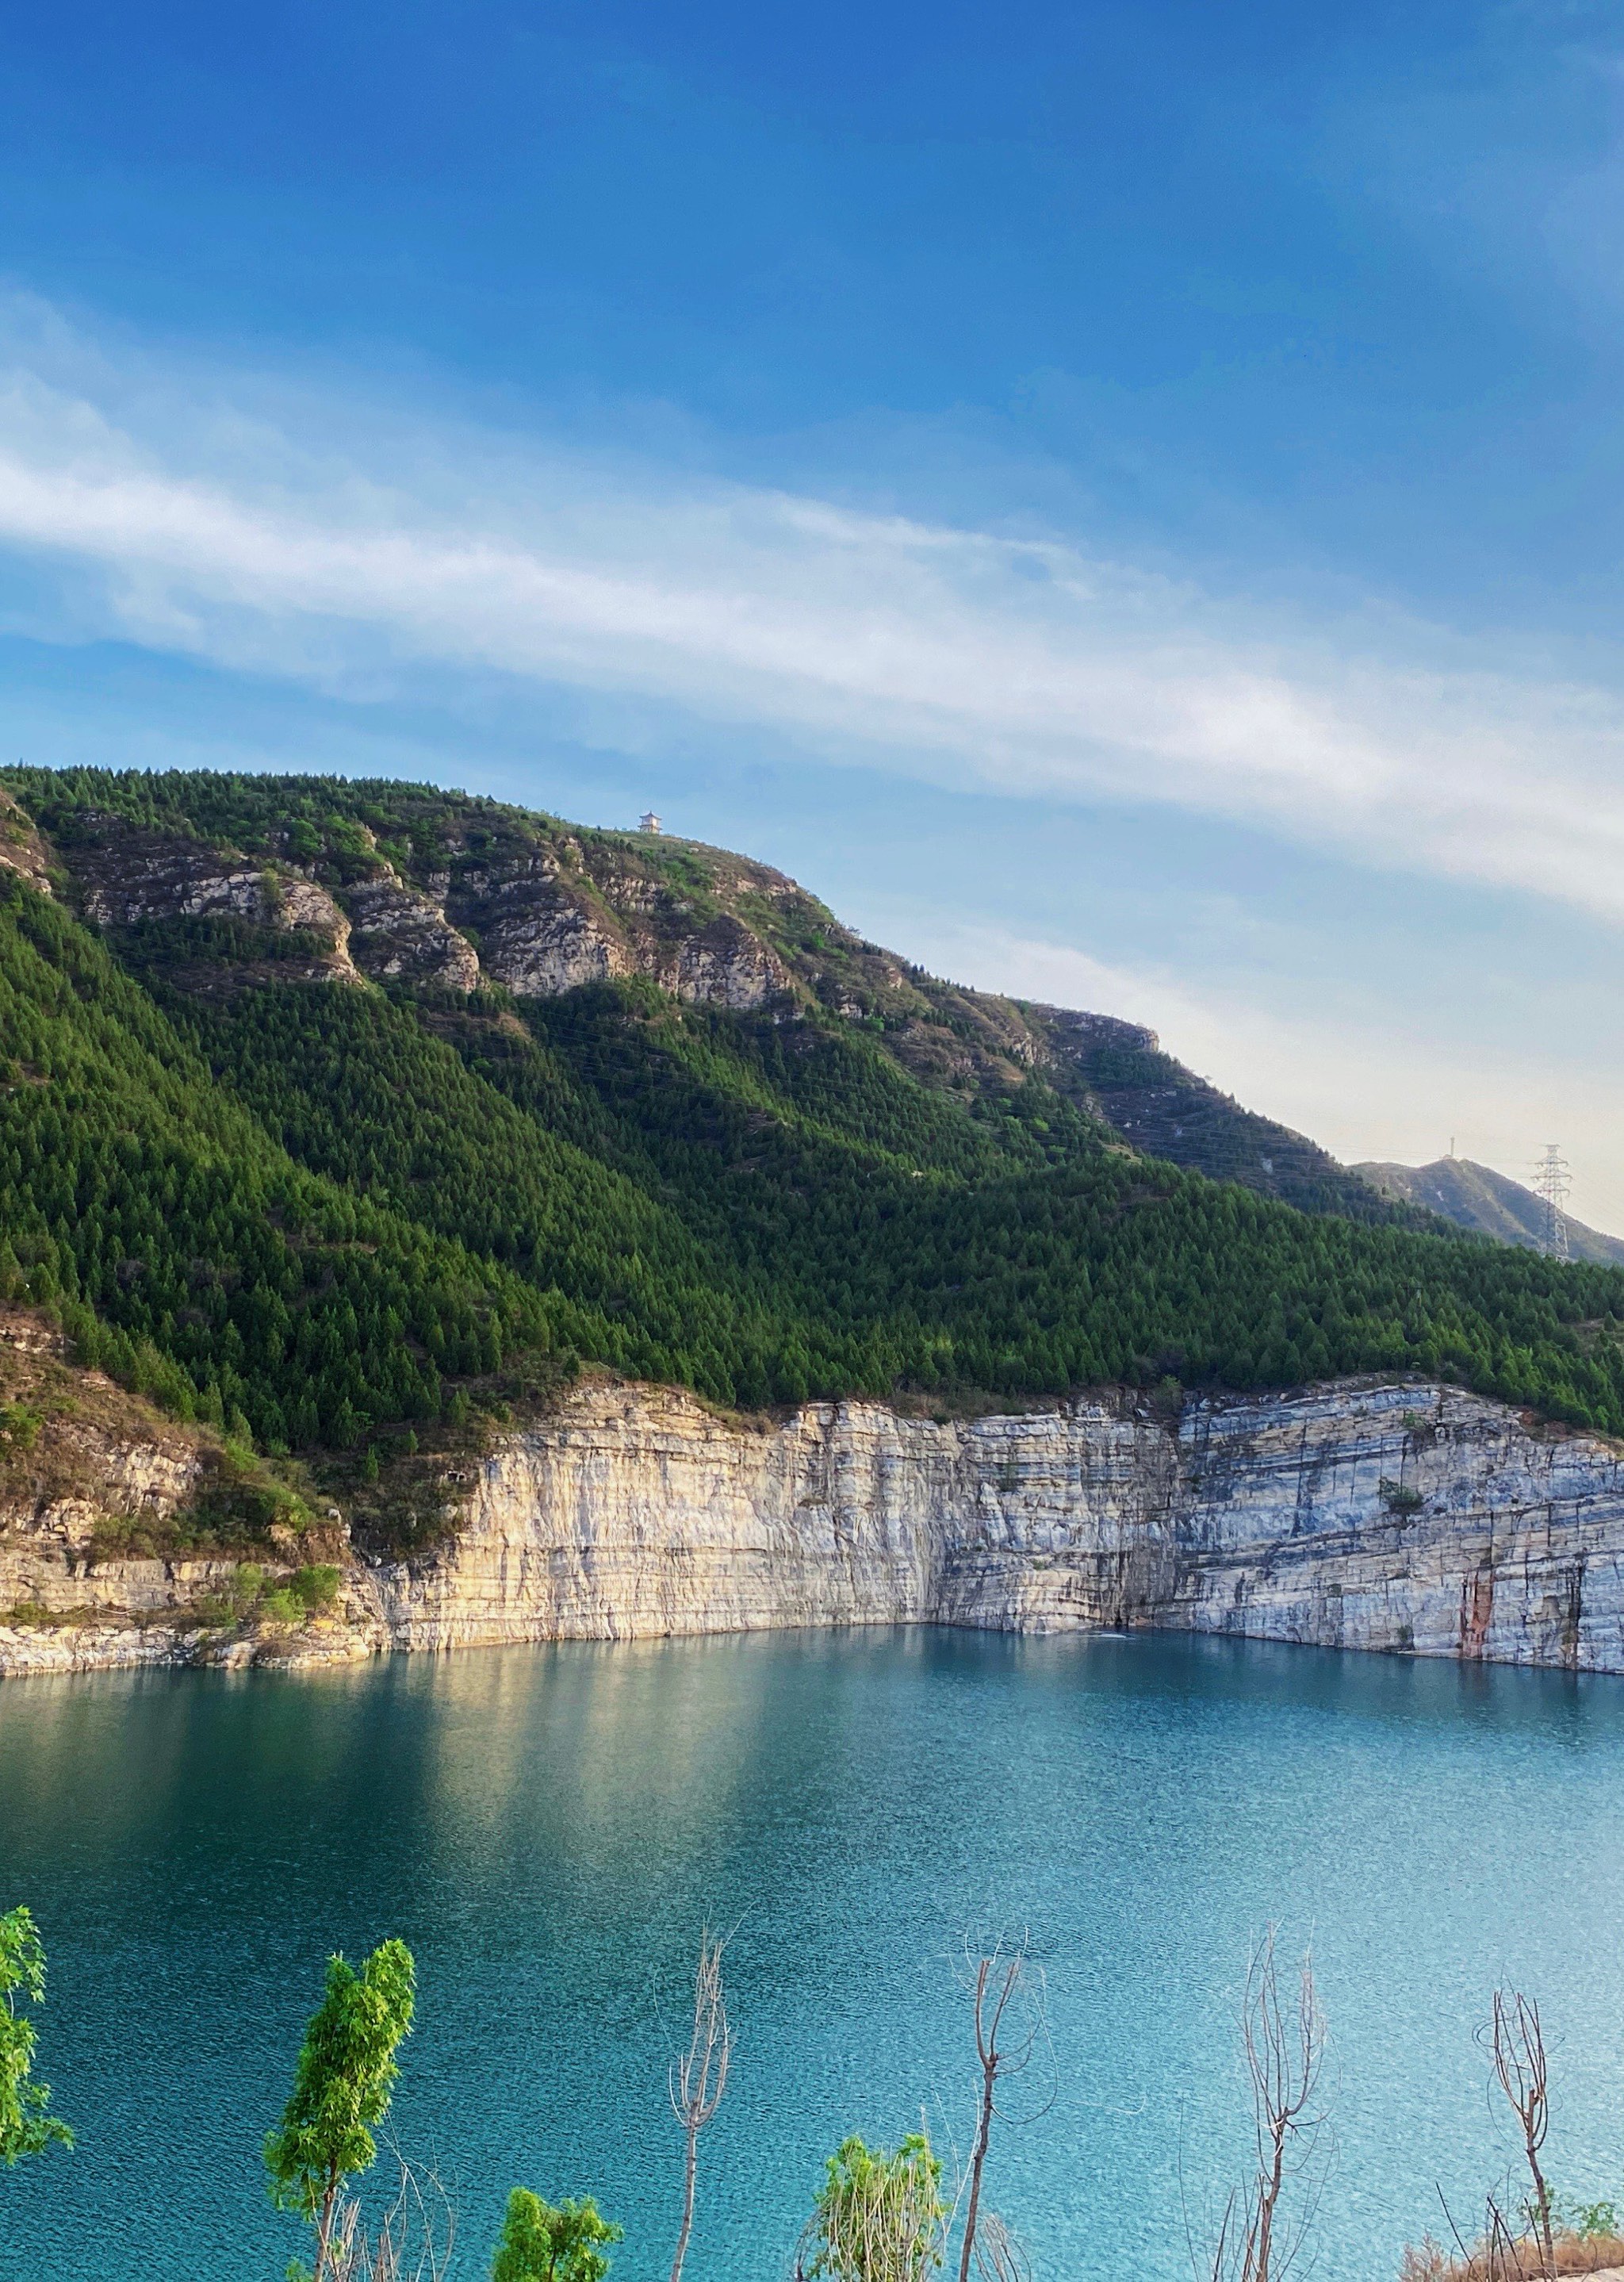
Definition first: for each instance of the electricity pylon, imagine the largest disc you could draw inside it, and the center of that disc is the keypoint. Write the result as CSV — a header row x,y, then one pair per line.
x,y
1551,1181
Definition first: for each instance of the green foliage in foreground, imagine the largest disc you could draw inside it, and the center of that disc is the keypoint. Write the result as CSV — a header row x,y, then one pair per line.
x,y
311,1213
880,2217
1597,2222
26,2125
341,2086
544,2243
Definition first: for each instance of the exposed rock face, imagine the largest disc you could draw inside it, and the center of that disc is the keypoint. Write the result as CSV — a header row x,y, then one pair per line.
x,y
543,930
538,934
94,1571
85,1477
397,934
21,849
1396,1517
1392,1517
1403,1519
724,965
129,877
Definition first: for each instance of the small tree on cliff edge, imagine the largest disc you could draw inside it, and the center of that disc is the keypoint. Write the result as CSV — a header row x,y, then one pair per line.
x,y
341,2088
26,2125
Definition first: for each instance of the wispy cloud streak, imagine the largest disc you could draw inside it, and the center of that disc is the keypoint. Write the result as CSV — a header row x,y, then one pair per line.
x,y
205,523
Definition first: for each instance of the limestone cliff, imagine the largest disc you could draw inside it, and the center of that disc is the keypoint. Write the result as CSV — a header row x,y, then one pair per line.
x,y
1394,1517
1390,1518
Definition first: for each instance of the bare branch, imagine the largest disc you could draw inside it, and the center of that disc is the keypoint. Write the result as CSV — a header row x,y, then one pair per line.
x,y
1284,2044
999,2256
1012,2023
698,2075
415,2238
1517,2044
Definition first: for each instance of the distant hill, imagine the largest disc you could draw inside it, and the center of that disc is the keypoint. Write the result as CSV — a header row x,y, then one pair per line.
x,y
1476,1197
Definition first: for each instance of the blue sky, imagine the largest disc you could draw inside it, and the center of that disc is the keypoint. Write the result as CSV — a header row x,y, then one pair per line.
x,y
1123,501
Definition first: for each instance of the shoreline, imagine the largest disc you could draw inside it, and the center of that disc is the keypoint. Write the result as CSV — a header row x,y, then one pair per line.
x,y
165,1649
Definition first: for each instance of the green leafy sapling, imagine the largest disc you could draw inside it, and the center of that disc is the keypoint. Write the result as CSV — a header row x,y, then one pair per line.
x,y
26,2125
1587,2222
880,2216
543,2244
342,2087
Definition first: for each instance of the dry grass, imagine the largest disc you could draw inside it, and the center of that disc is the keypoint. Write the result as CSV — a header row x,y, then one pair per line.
x,y
1599,2255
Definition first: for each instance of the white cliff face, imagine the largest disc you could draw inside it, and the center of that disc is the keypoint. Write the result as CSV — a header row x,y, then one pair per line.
x,y
1398,1517
399,934
1392,1517
1403,1519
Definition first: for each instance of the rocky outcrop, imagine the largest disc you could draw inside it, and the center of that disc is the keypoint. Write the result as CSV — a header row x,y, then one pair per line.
x,y
22,851
538,934
128,878
723,964
98,1567
399,935
543,928
1396,1517
1411,1519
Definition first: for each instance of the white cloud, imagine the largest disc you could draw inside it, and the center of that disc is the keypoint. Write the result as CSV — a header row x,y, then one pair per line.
x,y
199,514
1362,1093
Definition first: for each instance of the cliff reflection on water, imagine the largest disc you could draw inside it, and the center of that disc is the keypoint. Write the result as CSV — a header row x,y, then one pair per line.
x,y
549,1827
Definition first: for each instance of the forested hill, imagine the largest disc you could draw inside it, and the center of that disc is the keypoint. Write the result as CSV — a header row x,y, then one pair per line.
x,y
336,1112
1477,1197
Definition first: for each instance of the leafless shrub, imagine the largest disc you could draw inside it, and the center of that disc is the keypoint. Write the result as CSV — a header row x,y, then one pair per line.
x,y
414,2237
1012,2029
1499,2256
698,2075
999,2256
1425,2262
1283,2041
1502,2253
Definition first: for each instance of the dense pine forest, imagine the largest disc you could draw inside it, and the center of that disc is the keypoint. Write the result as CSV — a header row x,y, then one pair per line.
x,y
331,1111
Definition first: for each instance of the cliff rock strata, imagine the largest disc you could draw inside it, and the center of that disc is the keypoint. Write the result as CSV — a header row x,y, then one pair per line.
x,y
1391,1517
1399,1518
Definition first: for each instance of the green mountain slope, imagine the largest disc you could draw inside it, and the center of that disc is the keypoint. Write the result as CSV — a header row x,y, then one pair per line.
x,y
1166,1111
426,877
331,1109
1476,1197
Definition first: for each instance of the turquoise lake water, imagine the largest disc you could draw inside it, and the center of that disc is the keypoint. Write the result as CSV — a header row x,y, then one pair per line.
x,y
548,1827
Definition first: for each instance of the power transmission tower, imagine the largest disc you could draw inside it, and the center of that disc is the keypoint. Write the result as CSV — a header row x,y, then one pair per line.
x,y
1551,1181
